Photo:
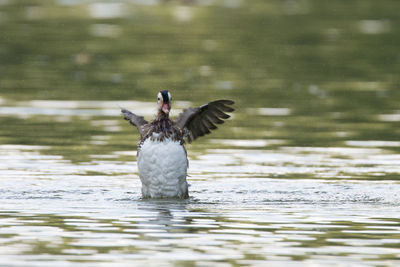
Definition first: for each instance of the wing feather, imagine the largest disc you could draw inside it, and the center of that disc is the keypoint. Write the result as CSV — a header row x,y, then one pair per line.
x,y
224,105
197,122
134,119
208,123
218,113
214,119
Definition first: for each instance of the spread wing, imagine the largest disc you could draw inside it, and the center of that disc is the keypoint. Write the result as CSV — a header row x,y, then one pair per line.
x,y
134,119
196,122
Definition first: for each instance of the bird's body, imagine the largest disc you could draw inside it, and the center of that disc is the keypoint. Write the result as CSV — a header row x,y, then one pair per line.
x,y
163,168
162,159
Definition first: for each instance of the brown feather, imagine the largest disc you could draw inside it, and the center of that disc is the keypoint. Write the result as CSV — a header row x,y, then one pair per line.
x,y
208,123
196,122
134,119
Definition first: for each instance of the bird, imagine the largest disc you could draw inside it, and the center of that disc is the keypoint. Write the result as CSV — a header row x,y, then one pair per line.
x,y
161,154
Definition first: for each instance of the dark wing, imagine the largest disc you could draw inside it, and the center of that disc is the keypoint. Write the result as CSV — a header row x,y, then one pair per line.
x,y
196,122
134,119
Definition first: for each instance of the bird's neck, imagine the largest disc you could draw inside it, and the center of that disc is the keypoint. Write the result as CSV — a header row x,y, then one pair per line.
x,y
161,115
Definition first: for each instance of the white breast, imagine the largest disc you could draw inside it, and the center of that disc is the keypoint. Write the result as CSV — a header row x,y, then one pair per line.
x,y
162,169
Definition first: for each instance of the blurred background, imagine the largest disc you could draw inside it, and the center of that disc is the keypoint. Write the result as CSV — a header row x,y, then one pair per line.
x,y
305,72
278,52
290,51
308,72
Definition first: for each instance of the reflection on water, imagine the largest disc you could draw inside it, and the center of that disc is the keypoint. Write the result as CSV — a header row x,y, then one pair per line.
x,y
90,212
101,219
306,173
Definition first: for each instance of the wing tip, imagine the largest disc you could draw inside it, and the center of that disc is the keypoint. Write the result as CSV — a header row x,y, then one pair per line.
x,y
224,105
228,102
124,110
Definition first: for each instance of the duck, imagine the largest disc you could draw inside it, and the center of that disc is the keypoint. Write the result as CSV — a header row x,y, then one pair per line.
x,y
161,154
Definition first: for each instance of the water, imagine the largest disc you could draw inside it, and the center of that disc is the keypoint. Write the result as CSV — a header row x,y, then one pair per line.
x,y
305,174
252,202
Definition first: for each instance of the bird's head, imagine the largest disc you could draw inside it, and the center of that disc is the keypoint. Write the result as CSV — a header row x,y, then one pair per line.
x,y
164,102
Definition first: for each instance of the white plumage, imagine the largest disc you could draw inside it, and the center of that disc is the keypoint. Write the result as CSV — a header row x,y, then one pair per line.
x,y
162,169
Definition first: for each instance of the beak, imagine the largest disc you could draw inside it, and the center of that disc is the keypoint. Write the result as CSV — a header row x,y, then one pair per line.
x,y
165,108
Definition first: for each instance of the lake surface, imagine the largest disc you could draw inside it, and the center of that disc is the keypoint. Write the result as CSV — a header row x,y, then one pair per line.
x,y
306,173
